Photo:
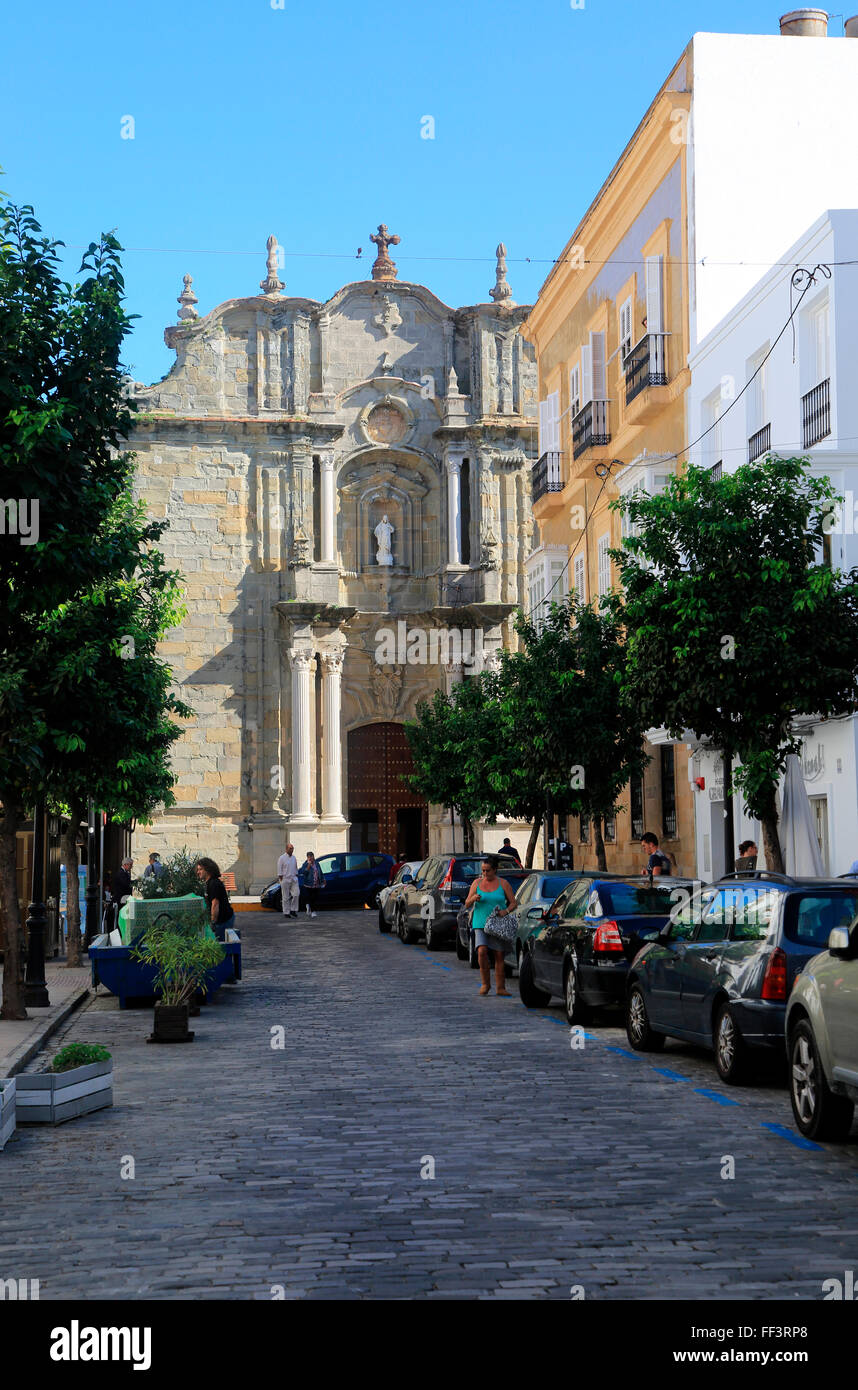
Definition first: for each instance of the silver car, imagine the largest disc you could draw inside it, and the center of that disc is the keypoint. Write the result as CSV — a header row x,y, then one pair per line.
x,y
822,1038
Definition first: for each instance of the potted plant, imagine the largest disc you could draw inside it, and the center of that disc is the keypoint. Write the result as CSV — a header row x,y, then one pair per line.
x,y
78,1081
7,1110
182,961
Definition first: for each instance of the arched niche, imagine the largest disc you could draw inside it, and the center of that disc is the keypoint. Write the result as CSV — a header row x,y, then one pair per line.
x,y
371,485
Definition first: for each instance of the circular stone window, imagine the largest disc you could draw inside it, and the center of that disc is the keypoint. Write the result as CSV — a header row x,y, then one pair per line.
x,y
386,425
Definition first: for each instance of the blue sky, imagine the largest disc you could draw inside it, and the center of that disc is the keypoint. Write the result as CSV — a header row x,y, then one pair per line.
x,y
260,116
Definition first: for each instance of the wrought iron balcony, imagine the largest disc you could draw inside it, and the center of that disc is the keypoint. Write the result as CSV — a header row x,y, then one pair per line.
x,y
589,427
760,443
816,414
548,475
717,470
646,365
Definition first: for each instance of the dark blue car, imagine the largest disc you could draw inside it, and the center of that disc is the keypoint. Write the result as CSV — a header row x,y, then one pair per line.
x,y
721,971
352,879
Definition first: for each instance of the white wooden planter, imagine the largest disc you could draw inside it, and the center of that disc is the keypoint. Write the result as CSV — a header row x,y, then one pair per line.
x,y
7,1110
49,1098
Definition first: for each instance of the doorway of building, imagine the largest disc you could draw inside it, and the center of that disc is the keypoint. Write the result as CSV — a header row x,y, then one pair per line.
x,y
381,805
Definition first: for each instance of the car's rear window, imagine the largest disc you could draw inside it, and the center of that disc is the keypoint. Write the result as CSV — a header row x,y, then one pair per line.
x,y
627,900
553,885
470,868
810,918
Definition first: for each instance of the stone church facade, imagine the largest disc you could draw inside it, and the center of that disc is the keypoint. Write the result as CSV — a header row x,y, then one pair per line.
x,y
347,486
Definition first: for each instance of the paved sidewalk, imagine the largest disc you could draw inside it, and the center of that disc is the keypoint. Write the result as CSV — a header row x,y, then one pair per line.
x,y
19,1042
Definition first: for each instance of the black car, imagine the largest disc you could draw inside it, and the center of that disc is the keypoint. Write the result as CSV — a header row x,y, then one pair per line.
x,y
588,938
721,971
465,949
429,906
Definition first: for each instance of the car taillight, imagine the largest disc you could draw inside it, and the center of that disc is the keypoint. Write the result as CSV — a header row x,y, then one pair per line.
x,y
775,978
608,937
447,880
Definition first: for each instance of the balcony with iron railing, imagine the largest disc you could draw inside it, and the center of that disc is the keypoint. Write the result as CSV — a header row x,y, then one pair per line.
x,y
816,414
549,475
590,427
760,443
646,365
717,470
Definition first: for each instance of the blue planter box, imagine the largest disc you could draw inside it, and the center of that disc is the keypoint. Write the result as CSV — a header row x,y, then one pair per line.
x,y
113,967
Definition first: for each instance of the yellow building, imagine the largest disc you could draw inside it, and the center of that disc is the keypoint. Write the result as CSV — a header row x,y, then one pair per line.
x,y
611,333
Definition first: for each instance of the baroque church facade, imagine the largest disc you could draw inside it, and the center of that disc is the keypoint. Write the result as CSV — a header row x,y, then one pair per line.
x,y
347,486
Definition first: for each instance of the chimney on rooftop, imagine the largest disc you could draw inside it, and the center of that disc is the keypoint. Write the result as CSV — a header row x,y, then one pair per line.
x,y
809,24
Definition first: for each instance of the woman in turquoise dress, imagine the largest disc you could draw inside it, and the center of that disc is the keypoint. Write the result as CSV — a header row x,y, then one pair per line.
x,y
489,894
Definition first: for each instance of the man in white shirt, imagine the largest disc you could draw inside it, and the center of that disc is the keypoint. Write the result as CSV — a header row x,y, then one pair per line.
x,y
287,872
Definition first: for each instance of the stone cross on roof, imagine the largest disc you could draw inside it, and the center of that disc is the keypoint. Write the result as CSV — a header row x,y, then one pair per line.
x,y
383,267
272,284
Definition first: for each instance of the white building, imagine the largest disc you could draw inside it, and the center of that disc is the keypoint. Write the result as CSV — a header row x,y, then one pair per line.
x,y
801,403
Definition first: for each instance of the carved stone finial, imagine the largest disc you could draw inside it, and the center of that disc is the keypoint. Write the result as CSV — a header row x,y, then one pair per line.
x,y
186,301
272,284
383,267
501,294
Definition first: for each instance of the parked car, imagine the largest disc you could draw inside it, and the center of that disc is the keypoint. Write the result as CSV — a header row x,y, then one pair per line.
x,y
721,971
822,1038
429,906
352,879
389,895
533,898
584,943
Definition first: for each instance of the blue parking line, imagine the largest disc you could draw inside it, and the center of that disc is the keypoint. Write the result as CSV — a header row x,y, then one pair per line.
x,y
714,1095
671,1075
624,1052
798,1139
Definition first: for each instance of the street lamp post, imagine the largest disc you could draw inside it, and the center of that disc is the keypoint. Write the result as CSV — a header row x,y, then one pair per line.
x,y
35,986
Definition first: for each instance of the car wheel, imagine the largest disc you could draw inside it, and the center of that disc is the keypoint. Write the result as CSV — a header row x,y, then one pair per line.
x,y
731,1053
576,1009
462,952
531,996
433,938
819,1113
383,924
473,962
640,1035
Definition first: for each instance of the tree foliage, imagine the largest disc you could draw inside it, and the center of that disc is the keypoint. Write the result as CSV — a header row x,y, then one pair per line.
x,y
736,623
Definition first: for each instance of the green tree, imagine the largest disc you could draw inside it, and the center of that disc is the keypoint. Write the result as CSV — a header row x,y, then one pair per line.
x,y
63,420
736,624
109,701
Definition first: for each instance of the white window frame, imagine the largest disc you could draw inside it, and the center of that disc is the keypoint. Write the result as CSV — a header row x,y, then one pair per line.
x,y
626,327
574,391
579,577
757,405
712,443
603,545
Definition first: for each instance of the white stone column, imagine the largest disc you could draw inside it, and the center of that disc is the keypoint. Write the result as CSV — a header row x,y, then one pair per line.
x,y
303,731
332,751
326,471
454,511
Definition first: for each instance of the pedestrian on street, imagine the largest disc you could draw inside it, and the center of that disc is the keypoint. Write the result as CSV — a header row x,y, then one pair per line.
x,y
122,886
219,906
287,872
747,860
509,848
658,864
154,869
313,881
489,894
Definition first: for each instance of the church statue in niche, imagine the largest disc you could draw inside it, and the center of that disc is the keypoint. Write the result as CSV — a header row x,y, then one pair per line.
x,y
384,536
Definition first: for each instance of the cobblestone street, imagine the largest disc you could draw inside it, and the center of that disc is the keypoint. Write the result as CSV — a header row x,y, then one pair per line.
x,y
299,1169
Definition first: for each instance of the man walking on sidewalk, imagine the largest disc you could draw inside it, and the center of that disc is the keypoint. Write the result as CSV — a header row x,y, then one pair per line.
x,y
287,872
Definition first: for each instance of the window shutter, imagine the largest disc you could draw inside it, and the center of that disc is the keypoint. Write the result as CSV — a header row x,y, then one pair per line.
x,y
574,393
554,427
654,294
626,343
597,358
587,373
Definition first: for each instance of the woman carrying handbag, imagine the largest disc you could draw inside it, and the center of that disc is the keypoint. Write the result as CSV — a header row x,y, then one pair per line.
x,y
493,922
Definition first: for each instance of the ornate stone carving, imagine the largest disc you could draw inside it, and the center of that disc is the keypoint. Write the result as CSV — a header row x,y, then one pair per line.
x,y
388,318
501,294
301,544
383,267
488,548
385,424
386,684
332,662
300,659
272,284
186,301
384,535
